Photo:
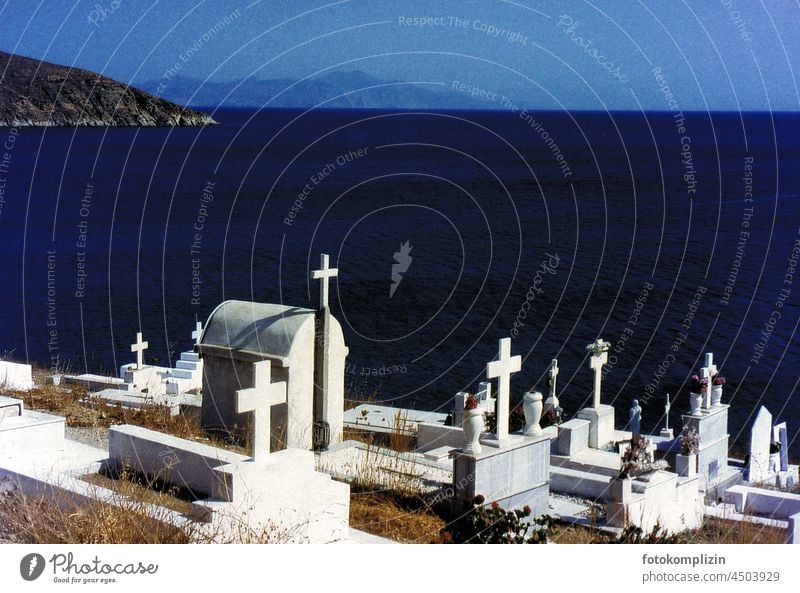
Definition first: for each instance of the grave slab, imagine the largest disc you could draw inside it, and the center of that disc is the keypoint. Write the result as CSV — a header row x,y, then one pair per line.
x,y
601,424
14,375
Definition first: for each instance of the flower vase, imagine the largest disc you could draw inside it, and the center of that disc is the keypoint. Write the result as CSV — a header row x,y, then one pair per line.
x,y
472,426
532,406
716,396
696,402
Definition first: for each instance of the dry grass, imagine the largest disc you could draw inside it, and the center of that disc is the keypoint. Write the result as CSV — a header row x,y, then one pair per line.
x,y
43,520
403,519
82,411
721,531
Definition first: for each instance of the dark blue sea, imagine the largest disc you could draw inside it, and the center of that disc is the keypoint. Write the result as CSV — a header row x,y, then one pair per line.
x,y
667,236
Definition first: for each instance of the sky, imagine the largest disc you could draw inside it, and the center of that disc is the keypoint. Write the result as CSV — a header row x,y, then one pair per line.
x,y
600,54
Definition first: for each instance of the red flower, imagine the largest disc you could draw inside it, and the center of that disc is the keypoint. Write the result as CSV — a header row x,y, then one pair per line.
x,y
526,510
470,403
495,505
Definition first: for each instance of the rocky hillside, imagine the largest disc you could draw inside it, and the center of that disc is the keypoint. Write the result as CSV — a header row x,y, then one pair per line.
x,y
35,93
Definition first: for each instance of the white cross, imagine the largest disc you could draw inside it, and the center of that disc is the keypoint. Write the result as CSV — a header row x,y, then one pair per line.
x,y
553,375
666,414
139,347
707,373
259,400
502,369
599,350
198,332
324,274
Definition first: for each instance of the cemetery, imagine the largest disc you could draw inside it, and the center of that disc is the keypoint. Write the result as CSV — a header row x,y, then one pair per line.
x,y
250,438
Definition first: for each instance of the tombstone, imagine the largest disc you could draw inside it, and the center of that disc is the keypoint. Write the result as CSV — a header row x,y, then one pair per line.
x,y
458,407
240,333
781,435
552,403
760,439
666,432
502,369
707,372
600,417
635,418
14,375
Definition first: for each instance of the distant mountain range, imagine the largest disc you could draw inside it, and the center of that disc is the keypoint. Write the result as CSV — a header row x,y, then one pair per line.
x,y
353,90
36,93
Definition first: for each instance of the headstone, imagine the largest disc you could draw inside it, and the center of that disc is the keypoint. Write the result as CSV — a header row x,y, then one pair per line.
x,y
259,400
760,439
707,372
197,333
324,274
139,347
502,369
635,418
458,407
599,351
14,375
783,439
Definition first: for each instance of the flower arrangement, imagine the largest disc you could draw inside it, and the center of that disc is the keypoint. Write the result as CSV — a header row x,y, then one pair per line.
x,y
718,379
690,441
470,403
637,460
698,385
491,524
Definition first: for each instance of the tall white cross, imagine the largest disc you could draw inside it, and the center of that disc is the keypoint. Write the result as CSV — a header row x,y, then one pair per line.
x,y
324,274
707,373
502,369
599,350
139,347
198,332
666,414
553,375
259,400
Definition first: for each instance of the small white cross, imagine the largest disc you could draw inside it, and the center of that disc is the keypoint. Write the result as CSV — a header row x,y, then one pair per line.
x,y
198,332
707,373
666,414
139,347
502,369
259,400
599,349
324,274
553,375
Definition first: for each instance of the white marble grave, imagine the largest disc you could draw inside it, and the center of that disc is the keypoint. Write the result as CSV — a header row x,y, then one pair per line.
x,y
14,375
600,416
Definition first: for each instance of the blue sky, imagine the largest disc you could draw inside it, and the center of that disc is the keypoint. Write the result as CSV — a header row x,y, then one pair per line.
x,y
603,54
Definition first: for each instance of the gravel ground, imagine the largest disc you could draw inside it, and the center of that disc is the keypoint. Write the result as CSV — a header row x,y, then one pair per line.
x,y
92,436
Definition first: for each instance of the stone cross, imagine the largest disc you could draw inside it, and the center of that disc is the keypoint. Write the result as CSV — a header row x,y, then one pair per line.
x,y
502,369
324,274
666,414
139,347
198,332
708,372
259,400
599,350
553,375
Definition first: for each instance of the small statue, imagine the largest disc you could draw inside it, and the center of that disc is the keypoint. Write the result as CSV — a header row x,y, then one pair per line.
x,y
635,418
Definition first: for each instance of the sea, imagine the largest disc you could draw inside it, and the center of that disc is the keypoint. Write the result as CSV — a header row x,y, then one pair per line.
x,y
669,235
